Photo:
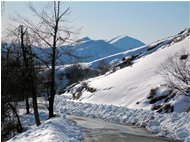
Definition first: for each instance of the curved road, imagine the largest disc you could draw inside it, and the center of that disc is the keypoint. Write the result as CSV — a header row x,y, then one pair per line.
x,y
96,130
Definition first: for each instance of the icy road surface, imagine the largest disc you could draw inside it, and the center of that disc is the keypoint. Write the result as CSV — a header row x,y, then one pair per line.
x,y
96,130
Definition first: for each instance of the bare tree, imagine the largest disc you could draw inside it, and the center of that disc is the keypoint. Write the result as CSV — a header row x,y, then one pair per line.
x,y
176,71
23,56
103,67
11,92
29,71
49,32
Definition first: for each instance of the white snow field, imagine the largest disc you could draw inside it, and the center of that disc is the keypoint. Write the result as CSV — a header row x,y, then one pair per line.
x,y
131,85
173,125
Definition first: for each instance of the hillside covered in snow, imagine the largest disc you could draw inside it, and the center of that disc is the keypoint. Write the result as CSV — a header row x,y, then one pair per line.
x,y
130,86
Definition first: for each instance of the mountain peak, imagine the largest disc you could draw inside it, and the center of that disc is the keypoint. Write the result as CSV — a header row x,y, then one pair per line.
x,y
117,38
125,42
85,39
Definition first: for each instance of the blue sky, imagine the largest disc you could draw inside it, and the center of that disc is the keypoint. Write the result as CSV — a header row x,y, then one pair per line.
x,y
146,21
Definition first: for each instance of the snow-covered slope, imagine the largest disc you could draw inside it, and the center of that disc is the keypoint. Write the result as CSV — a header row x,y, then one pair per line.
x,y
130,86
125,42
142,51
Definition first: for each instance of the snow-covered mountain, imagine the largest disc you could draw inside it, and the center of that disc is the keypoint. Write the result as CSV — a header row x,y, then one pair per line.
x,y
115,59
84,39
88,50
131,85
125,42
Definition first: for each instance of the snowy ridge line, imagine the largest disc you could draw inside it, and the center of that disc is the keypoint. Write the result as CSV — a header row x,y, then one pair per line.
x,y
129,52
173,125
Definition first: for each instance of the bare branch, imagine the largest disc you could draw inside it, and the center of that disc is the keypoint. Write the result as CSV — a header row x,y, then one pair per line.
x,y
176,72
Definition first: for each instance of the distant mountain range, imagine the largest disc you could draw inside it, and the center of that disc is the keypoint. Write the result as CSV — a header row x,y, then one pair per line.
x,y
88,50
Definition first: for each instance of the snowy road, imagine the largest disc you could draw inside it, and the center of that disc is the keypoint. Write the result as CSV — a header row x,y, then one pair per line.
x,y
102,131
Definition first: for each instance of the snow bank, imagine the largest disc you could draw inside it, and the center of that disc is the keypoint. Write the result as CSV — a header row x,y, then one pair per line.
x,y
174,125
57,129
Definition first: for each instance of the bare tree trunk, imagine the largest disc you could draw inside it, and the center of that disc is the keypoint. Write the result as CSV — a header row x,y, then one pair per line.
x,y
35,105
19,127
30,79
52,89
27,105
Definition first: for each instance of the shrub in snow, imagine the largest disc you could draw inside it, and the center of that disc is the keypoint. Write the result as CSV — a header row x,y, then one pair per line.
x,y
76,73
176,72
103,67
188,109
126,62
77,90
156,107
152,93
166,100
88,88
168,108
154,96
